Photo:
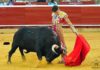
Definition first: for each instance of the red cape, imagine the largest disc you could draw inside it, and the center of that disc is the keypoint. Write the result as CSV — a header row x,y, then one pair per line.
x,y
79,52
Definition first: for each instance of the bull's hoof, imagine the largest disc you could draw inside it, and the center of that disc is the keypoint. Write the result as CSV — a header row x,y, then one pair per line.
x,y
24,59
49,63
9,62
60,62
37,65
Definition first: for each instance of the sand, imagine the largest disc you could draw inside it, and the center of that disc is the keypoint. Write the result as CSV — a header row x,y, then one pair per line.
x,y
92,61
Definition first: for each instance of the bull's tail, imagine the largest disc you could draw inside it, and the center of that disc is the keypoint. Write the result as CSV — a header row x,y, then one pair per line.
x,y
26,51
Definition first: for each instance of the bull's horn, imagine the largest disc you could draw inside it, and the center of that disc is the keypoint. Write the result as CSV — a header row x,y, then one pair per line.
x,y
55,47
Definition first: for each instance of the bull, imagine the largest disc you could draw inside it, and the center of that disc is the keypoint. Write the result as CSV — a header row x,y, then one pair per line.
x,y
41,40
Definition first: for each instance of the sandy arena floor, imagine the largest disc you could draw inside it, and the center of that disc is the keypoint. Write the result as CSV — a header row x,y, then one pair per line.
x,y
92,61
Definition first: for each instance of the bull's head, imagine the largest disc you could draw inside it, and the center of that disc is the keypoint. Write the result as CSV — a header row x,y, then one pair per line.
x,y
55,50
63,48
53,53
55,46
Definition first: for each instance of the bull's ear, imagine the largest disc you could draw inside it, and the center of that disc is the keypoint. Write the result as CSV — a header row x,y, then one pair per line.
x,y
55,46
64,49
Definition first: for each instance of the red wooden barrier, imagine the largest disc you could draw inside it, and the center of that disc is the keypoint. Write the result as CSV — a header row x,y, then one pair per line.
x,y
42,15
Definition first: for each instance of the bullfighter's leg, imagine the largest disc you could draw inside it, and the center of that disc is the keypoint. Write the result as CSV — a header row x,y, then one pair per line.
x,y
60,32
13,49
22,54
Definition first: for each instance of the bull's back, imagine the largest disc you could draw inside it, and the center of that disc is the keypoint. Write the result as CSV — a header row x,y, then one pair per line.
x,y
34,31
29,37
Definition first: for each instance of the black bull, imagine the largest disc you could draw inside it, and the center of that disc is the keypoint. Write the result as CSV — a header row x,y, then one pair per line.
x,y
41,40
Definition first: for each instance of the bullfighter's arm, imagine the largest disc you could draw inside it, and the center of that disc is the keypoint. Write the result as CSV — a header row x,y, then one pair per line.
x,y
70,24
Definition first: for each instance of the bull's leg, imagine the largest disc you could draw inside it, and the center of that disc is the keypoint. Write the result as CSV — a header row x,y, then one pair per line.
x,y
38,49
37,64
39,55
13,49
22,54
